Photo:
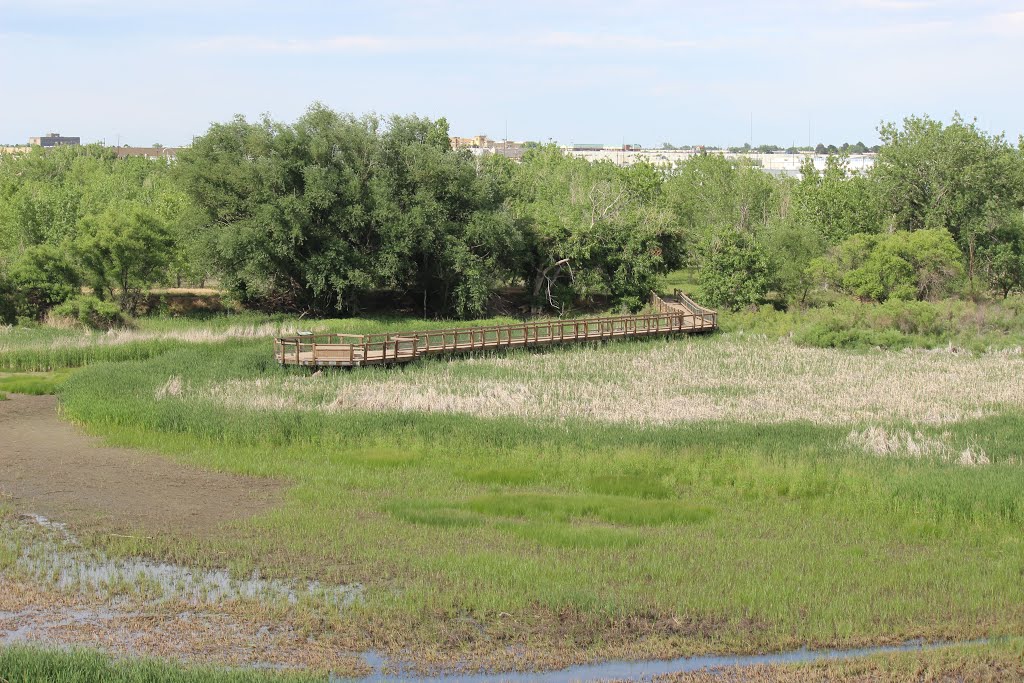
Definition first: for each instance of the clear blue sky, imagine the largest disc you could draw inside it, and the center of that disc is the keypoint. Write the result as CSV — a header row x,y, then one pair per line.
x,y
645,71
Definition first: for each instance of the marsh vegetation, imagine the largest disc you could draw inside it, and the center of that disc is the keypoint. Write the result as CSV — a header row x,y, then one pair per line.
x,y
842,466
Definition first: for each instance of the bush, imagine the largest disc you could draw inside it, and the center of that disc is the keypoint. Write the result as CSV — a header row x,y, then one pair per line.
x,y
734,271
8,307
922,265
976,326
42,277
90,311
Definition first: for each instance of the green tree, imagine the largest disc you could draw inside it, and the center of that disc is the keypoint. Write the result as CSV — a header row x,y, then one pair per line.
x,y
931,175
8,305
311,216
287,209
708,192
836,203
1001,251
791,246
41,277
734,271
924,264
124,250
591,228
443,219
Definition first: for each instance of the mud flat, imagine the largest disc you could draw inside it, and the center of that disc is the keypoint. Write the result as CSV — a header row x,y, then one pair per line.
x,y
52,468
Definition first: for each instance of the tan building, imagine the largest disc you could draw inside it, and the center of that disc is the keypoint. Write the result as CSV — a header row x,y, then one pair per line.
x,y
477,142
165,153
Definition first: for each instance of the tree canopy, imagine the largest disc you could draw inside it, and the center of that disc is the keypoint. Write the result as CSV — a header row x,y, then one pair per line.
x,y
322,214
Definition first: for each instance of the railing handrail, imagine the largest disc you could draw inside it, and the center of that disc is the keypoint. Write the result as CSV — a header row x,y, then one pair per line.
x,y
384,337
679,314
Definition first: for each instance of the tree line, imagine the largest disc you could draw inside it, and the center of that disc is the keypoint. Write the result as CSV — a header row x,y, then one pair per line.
x,y
317,215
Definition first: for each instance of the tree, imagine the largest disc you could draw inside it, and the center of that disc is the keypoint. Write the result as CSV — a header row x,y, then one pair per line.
x,y
442,218
40,278
932,175
45,194
311,216
1001,251
8,305
591,228
903,265
836,204
791,246
734,272
124,250
287,209
708,192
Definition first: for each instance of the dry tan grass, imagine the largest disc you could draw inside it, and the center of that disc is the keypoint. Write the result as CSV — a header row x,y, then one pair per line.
x,y
80,337
724,378
900,443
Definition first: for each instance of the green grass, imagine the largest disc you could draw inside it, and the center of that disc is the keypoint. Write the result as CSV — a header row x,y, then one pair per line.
x,y
33,383
834,321
592,534
1002,660
23,664
43,348
978,327
763,536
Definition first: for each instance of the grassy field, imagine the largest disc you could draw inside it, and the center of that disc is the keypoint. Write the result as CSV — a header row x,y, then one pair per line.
x,y
44,348
731,493
20,664
833,321
736,534
1002,661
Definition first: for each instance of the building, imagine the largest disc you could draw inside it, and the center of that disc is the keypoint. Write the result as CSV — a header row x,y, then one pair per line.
x,y
54,140
168,154
475,142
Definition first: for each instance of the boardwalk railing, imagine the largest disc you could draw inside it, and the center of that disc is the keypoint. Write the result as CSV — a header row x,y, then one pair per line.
x,y
677,314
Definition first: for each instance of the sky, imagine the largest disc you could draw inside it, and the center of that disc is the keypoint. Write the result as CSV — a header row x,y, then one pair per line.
x,y
637,71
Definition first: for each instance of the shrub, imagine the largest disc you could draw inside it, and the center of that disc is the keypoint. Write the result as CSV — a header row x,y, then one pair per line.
x,y
923,265
8,307
42,277
90,311
734,272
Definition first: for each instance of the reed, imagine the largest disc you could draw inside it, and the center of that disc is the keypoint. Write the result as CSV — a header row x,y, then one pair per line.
x,y
754,516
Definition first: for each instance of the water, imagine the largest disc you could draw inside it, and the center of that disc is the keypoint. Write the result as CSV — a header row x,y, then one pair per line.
x,y
58,559
31,624
638,670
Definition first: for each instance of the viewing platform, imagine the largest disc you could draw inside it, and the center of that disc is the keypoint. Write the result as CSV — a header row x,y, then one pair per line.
x,y
677,314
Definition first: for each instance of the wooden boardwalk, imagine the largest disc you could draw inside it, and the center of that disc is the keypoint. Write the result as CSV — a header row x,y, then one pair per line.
x,y
673,315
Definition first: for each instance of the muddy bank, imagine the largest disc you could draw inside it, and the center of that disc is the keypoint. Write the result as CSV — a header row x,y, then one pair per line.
x,y
30,614
50,467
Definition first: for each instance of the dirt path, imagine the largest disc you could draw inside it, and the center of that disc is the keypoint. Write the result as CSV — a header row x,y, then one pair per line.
x,y
50,467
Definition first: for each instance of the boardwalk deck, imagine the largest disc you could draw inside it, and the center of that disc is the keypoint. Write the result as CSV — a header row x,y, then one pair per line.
x,y
673,315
